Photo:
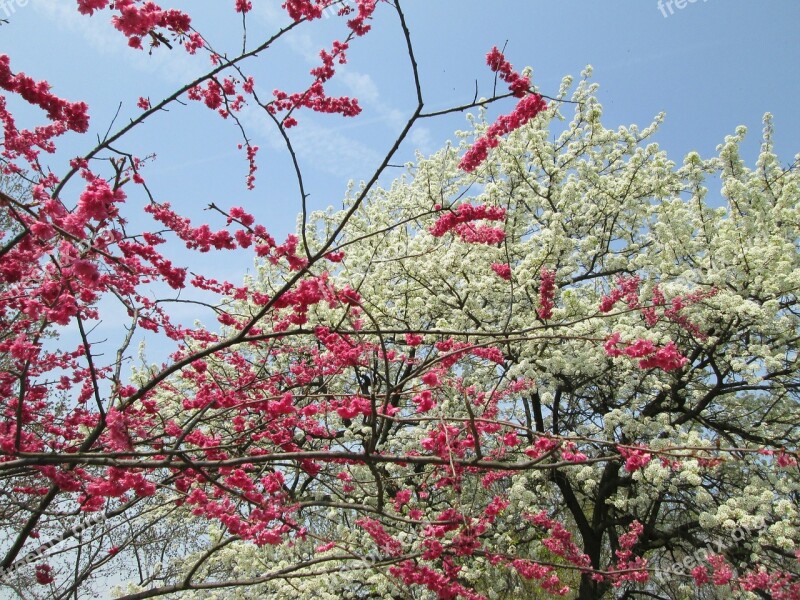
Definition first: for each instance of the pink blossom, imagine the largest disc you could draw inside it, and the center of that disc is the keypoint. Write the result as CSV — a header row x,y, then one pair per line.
x,y
666,358
401,498
87,7
527,108
627,288
503,270
635,458
547,289
424,401
461,221
385,542
700,575
516,83
431,378
412,339
44,574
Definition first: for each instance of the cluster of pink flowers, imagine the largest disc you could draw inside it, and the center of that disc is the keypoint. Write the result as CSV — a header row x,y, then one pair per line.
x,y
779,585
547,290
358,24
44,574
401,498
559,541
544,574
424,401
502,270
87,7
630,567
527,108
326,70
132,251
137,19
411,572
570,454
635,458
517,83
196,238
627,290
666,358
115,485
385,542
413,339
252,166
721,574
306,9
461,221
452,351
211,95
444,441
543,445
261,526
313,9
98,201
342,347
64,116
315,98
489,353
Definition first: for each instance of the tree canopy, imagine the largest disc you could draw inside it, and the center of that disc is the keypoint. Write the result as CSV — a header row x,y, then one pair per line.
x,y
547,361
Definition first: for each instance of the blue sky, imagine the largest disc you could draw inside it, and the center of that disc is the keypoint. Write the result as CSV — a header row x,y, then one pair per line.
x,y
710,65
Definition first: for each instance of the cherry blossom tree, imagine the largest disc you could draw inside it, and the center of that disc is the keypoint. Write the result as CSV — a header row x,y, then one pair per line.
x,y
546,361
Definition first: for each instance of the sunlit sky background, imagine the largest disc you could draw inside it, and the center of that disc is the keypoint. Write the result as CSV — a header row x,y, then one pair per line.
x,y
710,65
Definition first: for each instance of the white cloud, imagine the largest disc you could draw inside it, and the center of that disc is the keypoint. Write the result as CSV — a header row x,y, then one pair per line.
x,y
332,152
317,146
362,85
